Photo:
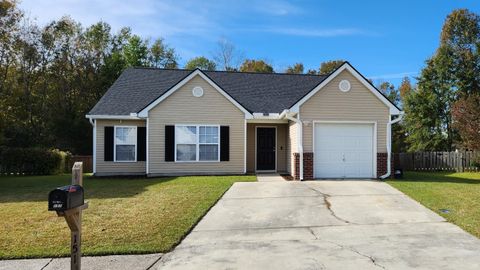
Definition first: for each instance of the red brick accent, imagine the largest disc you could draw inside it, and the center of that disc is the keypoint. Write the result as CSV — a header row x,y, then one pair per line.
x,y
307,166
382,159
296,169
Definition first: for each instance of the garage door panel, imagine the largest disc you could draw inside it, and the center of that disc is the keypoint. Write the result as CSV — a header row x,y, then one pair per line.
x,y
343,150
331,143
329,156
357,157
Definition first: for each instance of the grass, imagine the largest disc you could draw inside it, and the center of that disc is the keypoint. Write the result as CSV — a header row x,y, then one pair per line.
x,y
125,216
457,192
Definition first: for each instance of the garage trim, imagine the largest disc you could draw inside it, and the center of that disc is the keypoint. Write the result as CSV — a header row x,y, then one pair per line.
x,y
374,123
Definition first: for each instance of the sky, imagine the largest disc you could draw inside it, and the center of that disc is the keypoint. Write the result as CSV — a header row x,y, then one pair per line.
x,y
384,40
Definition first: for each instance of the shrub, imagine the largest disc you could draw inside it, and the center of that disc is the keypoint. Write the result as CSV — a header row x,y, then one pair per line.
x,y
33,160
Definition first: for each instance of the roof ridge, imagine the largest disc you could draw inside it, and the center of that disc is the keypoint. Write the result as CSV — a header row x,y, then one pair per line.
x,y
229,71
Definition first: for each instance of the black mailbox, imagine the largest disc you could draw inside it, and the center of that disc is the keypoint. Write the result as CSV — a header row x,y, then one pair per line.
x,y
64,198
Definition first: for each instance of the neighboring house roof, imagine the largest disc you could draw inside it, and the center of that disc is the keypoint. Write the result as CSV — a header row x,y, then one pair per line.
x,y
137,88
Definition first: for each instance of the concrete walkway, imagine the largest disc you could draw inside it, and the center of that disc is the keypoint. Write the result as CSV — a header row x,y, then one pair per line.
x,y
322,225
267,177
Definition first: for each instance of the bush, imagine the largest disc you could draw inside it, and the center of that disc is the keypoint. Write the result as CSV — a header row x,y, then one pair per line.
x,y
33,160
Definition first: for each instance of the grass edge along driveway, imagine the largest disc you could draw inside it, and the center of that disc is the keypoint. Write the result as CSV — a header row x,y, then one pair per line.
x,y
459,193
125,216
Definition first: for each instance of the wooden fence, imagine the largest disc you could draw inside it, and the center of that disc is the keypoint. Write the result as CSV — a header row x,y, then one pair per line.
x,y
437,161
87,163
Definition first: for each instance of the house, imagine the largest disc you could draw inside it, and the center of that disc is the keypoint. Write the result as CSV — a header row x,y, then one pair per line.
x,y
180,122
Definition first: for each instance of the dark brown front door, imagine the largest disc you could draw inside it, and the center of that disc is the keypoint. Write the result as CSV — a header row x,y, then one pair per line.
x,y
266,149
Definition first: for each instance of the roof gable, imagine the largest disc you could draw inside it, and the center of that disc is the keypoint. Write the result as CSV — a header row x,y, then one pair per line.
x,y
193,74
346,66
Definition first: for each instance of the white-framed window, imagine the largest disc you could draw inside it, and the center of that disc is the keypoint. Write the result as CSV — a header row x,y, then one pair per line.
x,y
197,143
125,144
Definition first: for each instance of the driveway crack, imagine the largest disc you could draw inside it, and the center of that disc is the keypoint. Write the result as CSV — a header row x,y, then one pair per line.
x,y
371,258
329,205
47,264
312,232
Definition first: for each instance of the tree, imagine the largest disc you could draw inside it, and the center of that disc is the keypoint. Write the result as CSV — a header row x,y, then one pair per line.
x,y
405,87
390,92
459,50
135,52
450,74
329,66
251,65
202,63
466,116
421,122
51,76
312,72
10,18
227,56
295,69
162,56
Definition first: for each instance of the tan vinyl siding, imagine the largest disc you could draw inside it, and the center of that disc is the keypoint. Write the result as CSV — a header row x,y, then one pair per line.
x,y
291,145
110,167
281,146
359,104
183,108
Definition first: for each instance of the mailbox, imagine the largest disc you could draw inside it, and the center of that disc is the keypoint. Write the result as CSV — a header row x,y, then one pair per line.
x,y
64,198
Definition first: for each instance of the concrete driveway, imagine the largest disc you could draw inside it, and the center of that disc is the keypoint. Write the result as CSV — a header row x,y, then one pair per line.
x,y
322,225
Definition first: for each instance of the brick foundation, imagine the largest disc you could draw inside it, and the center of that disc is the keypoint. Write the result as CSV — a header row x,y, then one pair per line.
x,y
307,166
382,159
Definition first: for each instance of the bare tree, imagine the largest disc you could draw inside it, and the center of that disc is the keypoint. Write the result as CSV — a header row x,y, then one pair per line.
x,y
227,56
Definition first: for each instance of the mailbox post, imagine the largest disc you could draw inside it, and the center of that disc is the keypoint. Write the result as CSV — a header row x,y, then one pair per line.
x,y
68,201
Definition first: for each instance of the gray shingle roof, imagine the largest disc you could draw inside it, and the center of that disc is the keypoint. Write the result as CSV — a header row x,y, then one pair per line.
x,y
136,88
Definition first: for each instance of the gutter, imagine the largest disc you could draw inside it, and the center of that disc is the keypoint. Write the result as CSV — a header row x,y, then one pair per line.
x,y
389,144
287,114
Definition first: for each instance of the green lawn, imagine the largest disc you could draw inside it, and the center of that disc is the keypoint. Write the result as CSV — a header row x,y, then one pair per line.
x,y
457,192
124,216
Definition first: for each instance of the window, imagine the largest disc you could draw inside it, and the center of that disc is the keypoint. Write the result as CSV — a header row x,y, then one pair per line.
x,y
197,143
125,144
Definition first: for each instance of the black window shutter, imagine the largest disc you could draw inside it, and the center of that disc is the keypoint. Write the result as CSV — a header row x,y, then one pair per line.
x,y
108,144
224,143
141,143
169,143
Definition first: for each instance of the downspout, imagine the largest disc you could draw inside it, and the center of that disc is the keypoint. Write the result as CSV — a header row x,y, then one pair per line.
x,y
94,154
389,145
285,114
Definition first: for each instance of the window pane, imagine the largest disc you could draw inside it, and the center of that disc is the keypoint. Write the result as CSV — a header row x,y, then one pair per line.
x,y
186,134
125,153
208,152
125,135
208,134
186,152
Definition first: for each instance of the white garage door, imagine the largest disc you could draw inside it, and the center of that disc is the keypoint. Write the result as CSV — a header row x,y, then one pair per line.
x,y
343,150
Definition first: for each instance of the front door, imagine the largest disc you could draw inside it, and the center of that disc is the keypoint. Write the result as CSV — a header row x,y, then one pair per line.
x,y
266,146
